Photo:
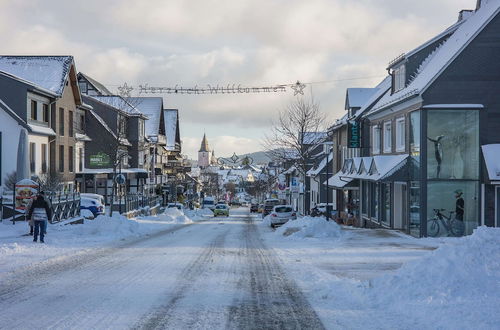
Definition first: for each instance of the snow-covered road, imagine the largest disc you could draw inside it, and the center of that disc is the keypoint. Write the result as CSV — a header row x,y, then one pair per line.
x,y
216,274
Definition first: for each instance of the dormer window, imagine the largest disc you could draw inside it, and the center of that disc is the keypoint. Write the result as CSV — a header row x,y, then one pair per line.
x,y
398,78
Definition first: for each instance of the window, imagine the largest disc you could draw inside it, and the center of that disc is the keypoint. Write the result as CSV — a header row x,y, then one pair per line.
x,y
71,157
376,139
44,158
364,197
141,157
80,159
374,200
82,123
387,137
45,113
399,78
70,124
53,118
61,121
83,87
400,134
141,130
61,158
32,157
34,109
386,203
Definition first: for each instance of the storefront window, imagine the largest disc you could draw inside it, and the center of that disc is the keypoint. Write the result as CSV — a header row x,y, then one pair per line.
x,y
364,200
415,145
386,199
453,144
374,200
414,203
456,200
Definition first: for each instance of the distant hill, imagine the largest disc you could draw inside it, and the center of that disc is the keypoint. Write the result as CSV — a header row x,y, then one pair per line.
x,y
258,157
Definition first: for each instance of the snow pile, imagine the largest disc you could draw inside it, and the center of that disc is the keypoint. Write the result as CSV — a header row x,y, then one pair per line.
x,y
117,226
460,279
170,215
310,227
199,214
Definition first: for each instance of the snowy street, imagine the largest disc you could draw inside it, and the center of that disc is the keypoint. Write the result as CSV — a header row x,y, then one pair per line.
x,y
212,274
169,272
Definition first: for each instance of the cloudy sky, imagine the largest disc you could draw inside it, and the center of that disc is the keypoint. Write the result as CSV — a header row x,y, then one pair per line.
x,y
330,44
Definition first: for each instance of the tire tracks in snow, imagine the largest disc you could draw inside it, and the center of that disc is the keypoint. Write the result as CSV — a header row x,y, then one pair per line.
x,y
269,300
159,319
17,281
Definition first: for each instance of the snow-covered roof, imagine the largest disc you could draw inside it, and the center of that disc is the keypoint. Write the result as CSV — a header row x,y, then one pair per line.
x,y
48,72
357,97
454,106
382,88
43,130
316,170
491,154
97,85
82,137
374,168
103,123
314,137
444,54
171,122
110,170
338,180
119,103
152,107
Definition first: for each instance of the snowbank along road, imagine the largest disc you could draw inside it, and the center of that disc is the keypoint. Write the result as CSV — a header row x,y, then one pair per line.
x,y
209,275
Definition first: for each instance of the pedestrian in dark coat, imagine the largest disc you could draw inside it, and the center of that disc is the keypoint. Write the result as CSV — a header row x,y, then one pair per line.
x,y
40,213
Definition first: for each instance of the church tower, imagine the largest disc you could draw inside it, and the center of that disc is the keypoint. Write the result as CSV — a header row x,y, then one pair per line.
x,y
204,153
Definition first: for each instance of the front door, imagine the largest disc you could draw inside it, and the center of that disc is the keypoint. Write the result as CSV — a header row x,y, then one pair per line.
x,y
400,207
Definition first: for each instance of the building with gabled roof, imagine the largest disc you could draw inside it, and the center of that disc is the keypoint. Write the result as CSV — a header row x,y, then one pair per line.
x,y
422,134
43,90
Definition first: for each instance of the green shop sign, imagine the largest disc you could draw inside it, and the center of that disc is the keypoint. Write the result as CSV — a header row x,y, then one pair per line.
x,y
353,134
100,159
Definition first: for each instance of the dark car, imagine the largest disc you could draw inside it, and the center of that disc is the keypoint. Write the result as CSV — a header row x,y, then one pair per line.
x,y
268,206
254,208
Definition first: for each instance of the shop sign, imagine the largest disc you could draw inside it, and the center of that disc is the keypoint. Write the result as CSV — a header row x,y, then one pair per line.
x,y
100,159
26,190
353,134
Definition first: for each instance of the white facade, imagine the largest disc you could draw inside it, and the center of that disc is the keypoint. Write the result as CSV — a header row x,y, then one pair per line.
x,y
10,130
38,142
203,158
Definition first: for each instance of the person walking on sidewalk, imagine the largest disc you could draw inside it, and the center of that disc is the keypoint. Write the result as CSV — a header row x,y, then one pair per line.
x,y
40,213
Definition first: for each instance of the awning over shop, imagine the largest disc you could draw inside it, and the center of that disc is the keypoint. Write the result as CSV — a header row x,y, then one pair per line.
x,y
338,180
491,154
376,168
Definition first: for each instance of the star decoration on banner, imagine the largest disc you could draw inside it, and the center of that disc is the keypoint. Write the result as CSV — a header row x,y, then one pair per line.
x,y
125,90
298,88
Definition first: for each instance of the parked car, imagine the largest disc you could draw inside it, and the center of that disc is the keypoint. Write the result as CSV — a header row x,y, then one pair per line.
x,y
261,208
268,206
100,198
91,204
208,203
281,214
221,209
175,205
254,208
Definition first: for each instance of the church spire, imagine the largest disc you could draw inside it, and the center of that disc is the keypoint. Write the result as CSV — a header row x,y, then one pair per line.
x,y
204,144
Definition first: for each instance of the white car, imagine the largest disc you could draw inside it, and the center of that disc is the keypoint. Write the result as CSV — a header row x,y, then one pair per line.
x,y
178,206
281,214
100,198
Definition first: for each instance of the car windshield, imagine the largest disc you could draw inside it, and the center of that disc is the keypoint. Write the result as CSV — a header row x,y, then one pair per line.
x,y
283,209
220,207
208,202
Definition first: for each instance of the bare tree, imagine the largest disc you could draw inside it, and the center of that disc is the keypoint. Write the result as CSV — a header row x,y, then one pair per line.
x,y
300,127
10,180
50,181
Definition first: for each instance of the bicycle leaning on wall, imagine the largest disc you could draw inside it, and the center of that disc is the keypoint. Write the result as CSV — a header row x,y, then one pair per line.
x,y
453,226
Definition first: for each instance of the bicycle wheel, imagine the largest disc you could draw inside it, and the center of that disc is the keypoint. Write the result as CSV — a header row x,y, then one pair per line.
x,y
432,227
457,227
